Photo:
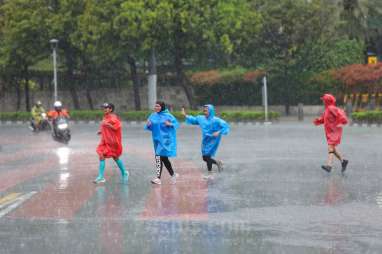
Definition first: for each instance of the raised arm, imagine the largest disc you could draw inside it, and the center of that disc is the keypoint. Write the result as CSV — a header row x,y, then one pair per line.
x,y
189,119
319,120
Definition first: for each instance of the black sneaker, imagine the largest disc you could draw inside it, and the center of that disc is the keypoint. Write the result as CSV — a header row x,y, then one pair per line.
x,y
344,164
326,168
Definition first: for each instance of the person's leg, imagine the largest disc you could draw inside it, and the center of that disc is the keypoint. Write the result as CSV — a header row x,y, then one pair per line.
x,y
101,171
124,172
331,153
33,125
159,167
168,165
54,128
38,123
329,163
209,162
337,154
218,163
213,161
344,163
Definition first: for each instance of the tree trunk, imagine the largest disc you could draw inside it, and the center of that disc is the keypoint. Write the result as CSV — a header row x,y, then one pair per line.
x,y
18,93
73,93
2,86
26,89
89,97
136,82
181,78
71,79
287,93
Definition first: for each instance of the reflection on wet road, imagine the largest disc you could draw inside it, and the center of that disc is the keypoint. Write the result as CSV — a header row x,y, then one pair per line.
x,y
272,196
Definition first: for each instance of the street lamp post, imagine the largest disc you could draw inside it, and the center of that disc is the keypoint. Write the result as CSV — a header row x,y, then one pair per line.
x,y
54,43
265,99
152,84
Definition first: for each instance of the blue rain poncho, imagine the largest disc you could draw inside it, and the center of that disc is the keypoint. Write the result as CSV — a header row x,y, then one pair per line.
x,y
164,137
209,126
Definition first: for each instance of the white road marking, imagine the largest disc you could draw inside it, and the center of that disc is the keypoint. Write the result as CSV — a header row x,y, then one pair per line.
x,y
16,202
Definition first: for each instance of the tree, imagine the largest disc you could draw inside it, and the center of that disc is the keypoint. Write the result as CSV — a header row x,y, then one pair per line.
x,y
63,20
216,26
359,74
317,72
290,28
24,40
362,20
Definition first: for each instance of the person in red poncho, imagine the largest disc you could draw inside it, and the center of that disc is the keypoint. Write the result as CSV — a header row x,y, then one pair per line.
x,y
333,119
111,143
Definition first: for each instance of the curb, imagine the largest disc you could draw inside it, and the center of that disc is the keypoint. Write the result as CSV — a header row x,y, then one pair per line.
x,y
365,125
136,123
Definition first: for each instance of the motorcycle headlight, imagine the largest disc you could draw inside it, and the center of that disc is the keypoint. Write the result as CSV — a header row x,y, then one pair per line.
x,y
62,126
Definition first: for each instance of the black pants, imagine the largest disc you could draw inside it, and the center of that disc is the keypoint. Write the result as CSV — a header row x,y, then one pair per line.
x,y
159,161
209,161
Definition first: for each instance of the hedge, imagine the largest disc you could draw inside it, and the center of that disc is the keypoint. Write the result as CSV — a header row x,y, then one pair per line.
x,y
88,115
235,86
368,117
15,116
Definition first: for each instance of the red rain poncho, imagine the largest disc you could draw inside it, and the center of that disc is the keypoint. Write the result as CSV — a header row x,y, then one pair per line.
x,y
111,138
331,118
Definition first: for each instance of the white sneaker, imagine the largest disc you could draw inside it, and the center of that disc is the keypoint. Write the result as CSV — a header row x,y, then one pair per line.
x,y
99,180
208,176
220,165
156,181
173,178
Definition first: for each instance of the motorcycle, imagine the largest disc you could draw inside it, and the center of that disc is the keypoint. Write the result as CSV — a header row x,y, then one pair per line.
x,y
61,131
43,126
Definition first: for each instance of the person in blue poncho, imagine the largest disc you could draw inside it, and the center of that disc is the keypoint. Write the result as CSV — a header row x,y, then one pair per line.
x,y
163,125
212,130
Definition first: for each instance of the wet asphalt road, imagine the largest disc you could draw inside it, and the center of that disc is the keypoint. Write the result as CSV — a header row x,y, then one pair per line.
x,y
272,196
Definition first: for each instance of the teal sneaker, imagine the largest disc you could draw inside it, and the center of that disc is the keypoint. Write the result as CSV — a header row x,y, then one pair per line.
x,y
125,177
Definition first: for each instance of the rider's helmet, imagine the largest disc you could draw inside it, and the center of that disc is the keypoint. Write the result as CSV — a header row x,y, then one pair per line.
x,y
38,103
57,105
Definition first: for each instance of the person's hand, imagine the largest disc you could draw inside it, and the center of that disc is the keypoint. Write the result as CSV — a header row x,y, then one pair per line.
x,y
168,123
316,121
148,123
183,112
98,132
216,134
340,125
104,123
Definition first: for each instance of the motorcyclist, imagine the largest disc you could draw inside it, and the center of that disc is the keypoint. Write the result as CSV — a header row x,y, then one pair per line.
x,y
37,118
57,112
